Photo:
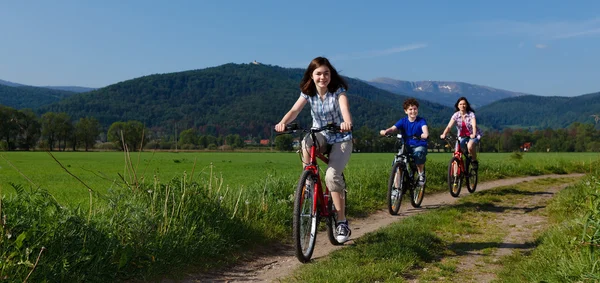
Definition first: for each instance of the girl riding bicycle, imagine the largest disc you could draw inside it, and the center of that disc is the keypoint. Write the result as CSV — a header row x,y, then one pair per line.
x,y
466,125
325,90
413,126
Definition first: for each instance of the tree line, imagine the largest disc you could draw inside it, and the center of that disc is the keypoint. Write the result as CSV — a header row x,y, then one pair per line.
x,y
23,130
578,137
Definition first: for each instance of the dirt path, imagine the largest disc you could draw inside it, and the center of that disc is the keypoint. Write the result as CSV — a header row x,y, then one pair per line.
x,y
280,261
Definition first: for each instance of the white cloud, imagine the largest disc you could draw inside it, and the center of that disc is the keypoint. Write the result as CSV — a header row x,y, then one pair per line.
x,y
540,31
578,33
379,53
541,46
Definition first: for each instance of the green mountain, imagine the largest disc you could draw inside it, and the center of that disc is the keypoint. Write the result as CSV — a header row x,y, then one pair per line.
x,y
232,98
20,97
540,112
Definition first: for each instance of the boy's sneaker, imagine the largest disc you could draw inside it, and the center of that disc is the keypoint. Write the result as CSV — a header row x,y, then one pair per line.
x,y
422,179
342,232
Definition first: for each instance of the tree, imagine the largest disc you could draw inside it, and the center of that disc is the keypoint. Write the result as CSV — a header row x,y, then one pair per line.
x,y
128,135
188,137
30,129
235,141
64,129
284,142
49,129
9,130
87,131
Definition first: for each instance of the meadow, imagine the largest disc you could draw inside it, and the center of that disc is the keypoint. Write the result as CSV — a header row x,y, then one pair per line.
x,y
107,216
102,171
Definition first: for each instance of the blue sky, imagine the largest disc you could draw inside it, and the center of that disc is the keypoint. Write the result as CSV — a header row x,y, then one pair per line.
x,y
537,47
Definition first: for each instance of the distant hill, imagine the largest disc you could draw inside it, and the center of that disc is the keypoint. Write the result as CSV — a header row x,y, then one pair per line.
x,y
445,93
248,99
76,89
540,112
20,96
231,98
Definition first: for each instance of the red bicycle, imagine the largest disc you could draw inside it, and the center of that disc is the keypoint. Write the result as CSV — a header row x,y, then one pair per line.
x,y
312,199
458,169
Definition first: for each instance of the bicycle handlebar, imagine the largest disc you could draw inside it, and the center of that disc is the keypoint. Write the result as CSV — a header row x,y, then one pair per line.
x,y
292,128
400,136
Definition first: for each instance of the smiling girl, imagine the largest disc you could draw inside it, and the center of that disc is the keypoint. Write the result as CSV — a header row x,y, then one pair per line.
x,y
325,90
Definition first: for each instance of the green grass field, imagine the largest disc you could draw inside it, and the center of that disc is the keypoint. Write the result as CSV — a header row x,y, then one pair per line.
x,y
165,223
101,170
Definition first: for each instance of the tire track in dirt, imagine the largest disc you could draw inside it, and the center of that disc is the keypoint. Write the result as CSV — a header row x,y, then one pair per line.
x,y
521,225
279,261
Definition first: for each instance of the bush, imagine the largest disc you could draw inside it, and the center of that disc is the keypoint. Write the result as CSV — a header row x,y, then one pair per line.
x,y
152,145
516,155
105,146
188,146
3,145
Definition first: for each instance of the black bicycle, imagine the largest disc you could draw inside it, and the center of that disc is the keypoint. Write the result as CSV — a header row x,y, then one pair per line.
x,y
403,179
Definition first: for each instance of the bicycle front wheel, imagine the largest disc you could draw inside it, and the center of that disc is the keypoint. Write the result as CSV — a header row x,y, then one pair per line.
x,y
417,194
332,221
396,187
306,220
472,180
454,177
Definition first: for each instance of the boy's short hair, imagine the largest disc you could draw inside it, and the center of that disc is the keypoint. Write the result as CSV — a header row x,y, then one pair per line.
x,y
411,101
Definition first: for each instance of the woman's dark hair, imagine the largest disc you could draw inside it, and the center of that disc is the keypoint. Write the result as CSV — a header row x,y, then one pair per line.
x,y
307,85
469,109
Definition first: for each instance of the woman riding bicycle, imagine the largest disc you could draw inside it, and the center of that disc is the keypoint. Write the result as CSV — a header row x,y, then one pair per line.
x,y
413,126
466,125
325,90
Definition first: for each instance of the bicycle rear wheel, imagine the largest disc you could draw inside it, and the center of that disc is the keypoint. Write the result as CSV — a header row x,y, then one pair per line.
x,y
472,180
305,221
454,177
396,187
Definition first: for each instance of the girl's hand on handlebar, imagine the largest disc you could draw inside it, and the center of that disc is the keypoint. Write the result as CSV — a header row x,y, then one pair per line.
x,y
280,127
346,127
442,136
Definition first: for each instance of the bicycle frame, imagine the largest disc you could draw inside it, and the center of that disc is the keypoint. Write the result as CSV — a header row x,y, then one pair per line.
x,y
312,201
459,154
403,155
321,193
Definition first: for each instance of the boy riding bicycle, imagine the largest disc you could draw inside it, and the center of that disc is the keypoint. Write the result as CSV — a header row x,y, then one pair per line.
x,y
410,127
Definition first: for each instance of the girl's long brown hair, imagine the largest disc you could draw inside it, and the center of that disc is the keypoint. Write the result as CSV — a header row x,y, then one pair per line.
x,y
307,85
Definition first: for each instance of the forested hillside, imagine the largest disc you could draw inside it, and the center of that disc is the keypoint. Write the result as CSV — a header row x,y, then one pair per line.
x,y
229,99
540,112
247,99
20,97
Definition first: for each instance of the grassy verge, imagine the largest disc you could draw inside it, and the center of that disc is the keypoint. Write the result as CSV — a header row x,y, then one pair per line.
x,y
429,246
142,227
569,252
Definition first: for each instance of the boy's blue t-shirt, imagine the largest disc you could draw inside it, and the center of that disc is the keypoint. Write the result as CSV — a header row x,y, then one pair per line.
x,y
409,129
